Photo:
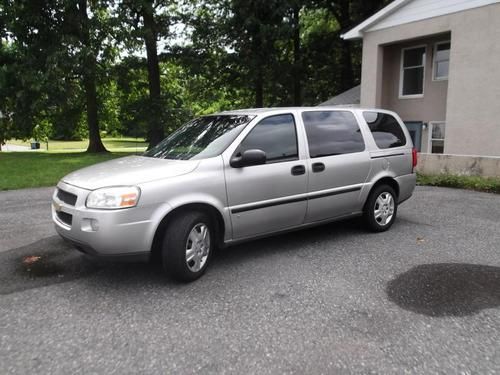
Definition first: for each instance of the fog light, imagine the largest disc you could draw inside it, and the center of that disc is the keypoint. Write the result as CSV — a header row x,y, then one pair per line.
x,y
94,224
90,225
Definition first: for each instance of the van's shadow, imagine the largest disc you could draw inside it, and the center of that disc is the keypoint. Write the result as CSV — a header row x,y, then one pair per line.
x,y
446,289
225,260
53,261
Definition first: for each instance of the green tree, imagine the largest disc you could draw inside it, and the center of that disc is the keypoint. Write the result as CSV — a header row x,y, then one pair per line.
x,y
148,21
88,68
59,45
217,76
254,31
131,78
349,13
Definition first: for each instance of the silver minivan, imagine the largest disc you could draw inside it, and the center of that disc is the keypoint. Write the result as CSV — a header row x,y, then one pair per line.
x,y
238,175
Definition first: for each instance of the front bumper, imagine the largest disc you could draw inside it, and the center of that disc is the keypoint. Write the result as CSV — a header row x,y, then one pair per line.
x,y
104,233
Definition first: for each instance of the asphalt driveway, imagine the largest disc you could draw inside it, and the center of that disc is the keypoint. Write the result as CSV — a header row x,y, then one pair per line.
x,y
421,298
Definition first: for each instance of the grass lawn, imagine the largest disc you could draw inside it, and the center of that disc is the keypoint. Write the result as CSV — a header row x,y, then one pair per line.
x,y
111,144
34,169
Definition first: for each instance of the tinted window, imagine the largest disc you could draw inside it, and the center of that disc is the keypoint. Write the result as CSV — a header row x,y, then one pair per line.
x,y
274,135
332,133
385,129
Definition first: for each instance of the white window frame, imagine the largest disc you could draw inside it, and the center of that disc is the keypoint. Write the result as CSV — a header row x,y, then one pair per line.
x,y
429,133
401,71
434,78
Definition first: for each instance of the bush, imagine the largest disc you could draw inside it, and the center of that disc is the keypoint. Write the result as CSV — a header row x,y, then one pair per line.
x,y
487,184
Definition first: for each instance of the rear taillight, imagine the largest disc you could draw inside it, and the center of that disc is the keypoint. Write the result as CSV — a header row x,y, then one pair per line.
x,y
414,157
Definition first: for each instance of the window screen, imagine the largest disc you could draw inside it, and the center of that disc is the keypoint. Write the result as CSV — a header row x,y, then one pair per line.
x,y
332,133
385,129
276,136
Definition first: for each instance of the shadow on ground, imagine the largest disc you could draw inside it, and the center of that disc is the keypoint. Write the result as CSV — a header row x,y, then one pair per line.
x,y
447,289
52,261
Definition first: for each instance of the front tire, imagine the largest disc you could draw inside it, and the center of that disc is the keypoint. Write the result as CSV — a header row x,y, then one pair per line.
x,y
188,246
381,208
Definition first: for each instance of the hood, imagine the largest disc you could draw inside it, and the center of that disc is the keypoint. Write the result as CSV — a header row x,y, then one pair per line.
x,y
130,170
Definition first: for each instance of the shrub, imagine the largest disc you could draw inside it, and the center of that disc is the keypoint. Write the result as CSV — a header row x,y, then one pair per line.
x,y
487,184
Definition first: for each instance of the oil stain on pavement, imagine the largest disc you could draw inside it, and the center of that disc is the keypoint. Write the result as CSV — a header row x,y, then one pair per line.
x,y
446,289
48,261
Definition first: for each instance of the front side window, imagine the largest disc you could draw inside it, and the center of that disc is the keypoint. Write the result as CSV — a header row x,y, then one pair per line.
x,y
437,133
276,136
385,129
201,138
332,133
441,61
412,72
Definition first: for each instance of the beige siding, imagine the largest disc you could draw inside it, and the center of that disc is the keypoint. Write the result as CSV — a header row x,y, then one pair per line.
x,y
434,101
473,93
432,107
473,110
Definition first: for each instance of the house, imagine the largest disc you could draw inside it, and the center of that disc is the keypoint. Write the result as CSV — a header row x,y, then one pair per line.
x,y
437,64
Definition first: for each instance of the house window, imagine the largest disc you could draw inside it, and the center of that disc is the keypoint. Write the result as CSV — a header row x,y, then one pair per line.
x,y
441,61
436,137
412,72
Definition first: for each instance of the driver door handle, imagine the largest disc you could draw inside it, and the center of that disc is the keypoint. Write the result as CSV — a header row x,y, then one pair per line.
x,y
298,170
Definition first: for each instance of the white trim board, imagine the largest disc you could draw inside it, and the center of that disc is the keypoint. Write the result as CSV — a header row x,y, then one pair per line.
x,y
400,12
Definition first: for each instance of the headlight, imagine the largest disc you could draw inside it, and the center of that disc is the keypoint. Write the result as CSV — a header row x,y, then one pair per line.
x,y
114,197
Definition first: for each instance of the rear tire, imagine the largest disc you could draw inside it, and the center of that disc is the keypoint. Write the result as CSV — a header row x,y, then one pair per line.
x,y
380,208
188,246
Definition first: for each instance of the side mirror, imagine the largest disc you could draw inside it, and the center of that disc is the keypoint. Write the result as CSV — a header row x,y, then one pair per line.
x,y
249,158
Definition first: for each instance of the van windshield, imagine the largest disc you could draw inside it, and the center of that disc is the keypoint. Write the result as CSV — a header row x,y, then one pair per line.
x,y
201,138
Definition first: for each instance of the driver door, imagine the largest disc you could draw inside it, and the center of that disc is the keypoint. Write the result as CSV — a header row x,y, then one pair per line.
x,y
272,196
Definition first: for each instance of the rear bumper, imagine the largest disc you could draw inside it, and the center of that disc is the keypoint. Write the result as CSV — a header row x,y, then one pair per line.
x,y
407,185
103,233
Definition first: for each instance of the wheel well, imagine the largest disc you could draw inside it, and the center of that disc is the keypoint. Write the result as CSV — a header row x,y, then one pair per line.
x,y
387,181
214,214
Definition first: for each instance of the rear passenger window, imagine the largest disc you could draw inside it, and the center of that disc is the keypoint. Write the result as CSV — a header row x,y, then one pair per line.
x,y
332,133
276,136
385,129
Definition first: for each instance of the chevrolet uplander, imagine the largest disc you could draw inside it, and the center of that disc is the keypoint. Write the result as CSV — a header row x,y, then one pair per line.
x,y
235,176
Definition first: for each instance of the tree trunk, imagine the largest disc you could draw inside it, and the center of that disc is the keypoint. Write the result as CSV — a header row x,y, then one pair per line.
x,y
89,82
342,12
297,59
346,67
155,131
259,87
95,142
